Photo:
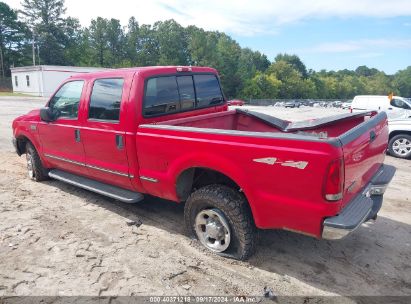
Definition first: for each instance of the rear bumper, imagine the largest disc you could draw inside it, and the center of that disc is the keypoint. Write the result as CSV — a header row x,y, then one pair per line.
x,y
362,208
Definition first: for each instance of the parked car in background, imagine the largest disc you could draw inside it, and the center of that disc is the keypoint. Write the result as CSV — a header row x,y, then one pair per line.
x,y
235,102
400,137
346,105
292,104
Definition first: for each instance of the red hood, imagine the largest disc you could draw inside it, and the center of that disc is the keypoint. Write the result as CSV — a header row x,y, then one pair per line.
x,y
33,115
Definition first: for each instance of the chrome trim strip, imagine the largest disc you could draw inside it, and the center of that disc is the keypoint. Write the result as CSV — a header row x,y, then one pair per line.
x,y
65,159
89,166
149,179
107,170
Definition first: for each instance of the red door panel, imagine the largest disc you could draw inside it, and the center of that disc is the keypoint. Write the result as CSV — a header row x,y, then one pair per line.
x,y
61,139
103,132
106,157
60,147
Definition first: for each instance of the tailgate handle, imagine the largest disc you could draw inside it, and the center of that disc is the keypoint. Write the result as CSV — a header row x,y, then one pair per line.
x,y
372,136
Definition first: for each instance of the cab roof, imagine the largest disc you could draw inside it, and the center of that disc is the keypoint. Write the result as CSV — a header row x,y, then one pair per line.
x,y
144,71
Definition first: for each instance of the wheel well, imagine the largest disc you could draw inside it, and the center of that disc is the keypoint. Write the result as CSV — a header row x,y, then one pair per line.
x,y
395,133
21,144
195,178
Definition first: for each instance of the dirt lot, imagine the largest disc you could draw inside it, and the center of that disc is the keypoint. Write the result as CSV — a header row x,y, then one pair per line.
x,y
56,239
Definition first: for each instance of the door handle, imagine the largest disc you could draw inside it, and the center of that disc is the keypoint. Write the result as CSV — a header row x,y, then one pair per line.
x,y
77,135
372,136
119,142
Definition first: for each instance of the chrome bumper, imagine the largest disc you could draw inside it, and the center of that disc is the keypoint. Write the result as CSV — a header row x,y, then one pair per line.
x,y
362,208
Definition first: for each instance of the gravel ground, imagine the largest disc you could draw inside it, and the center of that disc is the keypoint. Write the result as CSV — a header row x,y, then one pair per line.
x,y
56,239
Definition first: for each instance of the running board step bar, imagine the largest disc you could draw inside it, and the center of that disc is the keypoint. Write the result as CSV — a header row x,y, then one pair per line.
x,y
117,193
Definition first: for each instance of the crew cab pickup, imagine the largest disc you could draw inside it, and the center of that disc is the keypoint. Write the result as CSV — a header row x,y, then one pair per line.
x,y
167,132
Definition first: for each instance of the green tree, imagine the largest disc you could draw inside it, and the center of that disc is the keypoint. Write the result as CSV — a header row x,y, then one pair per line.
x,y
172,42
132,41
250,62
115,42
378,84
402,82
75,48
294,61
363,70
228,54
44,18
292,82
262,86
202,46
97,33
148,52
13,40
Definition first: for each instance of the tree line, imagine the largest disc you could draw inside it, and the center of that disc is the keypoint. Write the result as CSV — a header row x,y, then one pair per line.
x,y
41,33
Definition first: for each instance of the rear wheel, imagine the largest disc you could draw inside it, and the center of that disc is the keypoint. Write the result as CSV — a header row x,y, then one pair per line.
x,y
35,169
400,146
219,217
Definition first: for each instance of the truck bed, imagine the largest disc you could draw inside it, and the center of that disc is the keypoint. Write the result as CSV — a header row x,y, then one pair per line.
x,y
269,159
251,121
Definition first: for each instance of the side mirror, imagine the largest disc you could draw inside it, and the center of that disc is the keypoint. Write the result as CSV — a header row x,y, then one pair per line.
x,y
46,114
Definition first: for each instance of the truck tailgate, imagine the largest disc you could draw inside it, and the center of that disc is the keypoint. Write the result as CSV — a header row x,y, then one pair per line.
x,y
364,149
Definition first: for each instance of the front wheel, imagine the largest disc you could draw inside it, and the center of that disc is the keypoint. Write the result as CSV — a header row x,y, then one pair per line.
x,y
220,218
35,169
400,146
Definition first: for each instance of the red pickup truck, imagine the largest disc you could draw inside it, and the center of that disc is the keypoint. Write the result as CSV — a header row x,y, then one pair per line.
x,y
167,132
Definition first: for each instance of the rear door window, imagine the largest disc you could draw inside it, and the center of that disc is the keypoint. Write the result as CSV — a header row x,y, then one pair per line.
x,y
161,96
105,99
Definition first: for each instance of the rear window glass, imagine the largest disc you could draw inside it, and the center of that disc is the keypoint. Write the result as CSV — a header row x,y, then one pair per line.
x,y
171,94
187,94
208,90
105,99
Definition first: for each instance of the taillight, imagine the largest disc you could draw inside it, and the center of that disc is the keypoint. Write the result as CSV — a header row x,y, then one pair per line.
x,y
334,181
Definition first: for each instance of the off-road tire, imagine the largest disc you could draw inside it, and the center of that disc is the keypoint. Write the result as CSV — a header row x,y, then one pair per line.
x,y
236,210
393,140
40,173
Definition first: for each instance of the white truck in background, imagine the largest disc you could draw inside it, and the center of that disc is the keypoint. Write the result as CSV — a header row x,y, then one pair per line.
x,y
398,110
399,144
394,106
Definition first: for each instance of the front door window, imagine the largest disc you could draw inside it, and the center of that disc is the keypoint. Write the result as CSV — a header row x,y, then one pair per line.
x,y
66,101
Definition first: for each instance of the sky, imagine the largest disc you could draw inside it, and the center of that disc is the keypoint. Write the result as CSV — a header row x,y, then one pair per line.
x,y
325,34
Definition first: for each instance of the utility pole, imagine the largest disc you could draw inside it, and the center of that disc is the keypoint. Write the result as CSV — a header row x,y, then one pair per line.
x,y
38,53
1,59
34,51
